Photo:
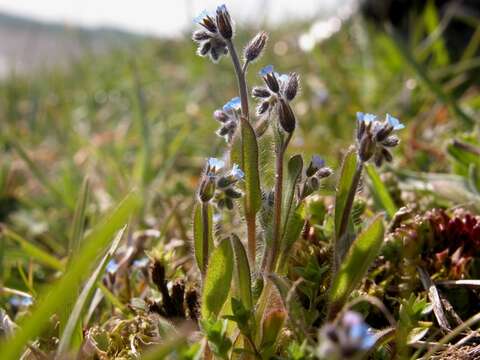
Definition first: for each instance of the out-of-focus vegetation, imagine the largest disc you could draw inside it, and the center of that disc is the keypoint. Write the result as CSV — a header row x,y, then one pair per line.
x,y
75,142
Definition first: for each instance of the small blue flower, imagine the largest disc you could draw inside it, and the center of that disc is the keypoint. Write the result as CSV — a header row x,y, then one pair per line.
x,y
21,301
233,104
266,70
365,117
361,333
112,266
222,8
318,162
236,172
141,263
198,19
215,163
396,124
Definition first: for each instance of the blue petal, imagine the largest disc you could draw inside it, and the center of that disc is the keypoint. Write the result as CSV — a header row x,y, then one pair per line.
x,y
396,124
221,8
365,117
21,301
266,70
368,341
215,163
358,331
237,173
112,266
233,104
282,77
318,162
198,19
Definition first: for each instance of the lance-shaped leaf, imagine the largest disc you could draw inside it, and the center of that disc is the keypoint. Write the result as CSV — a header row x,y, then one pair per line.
x,y
253,195
242,278
380,191
294,172
198,231
345,182
362,253
218,278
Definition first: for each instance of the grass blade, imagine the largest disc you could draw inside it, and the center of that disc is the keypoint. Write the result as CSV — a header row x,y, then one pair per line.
x,y
34,251
74,319
54,299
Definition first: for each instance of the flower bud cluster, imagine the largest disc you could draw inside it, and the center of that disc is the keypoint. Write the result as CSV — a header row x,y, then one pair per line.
x,y
228,117
375,138
280,89
217,30
315,172
218,184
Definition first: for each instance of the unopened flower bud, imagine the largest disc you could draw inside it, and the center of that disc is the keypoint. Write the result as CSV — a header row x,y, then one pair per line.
x,y
291,87
286,116
220,116
255,46
200,35
204,49
224,22
260,92
233,194
272,82
391,141
262,107
324,173
207,189
383,132
387,155
315,164
208,23
229,203
313,183
367,148
378,159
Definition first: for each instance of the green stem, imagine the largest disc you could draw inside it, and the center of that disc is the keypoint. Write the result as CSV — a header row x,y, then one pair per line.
x,y
346,214
242,88
205,236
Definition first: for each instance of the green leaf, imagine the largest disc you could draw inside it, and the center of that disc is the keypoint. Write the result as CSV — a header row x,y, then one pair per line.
x,y
242,278
253,194
294,172
34,251
293,229
198,234
344,184
362,253
380,191
217,279
53,300
74,319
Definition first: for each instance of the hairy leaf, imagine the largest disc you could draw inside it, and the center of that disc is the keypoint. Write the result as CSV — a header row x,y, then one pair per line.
x,y
380,191
217,279
242,278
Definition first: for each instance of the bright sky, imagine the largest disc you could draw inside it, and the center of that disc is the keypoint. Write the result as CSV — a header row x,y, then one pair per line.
x,y
161,17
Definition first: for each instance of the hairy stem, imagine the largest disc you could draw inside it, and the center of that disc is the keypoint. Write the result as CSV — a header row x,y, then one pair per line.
x,y
205,236
242,88
346,216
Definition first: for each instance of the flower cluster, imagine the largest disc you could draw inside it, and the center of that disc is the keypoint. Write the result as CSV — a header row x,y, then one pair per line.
x,y
374,137
315,172
219,184
280,89
347,339
228,117
217,30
